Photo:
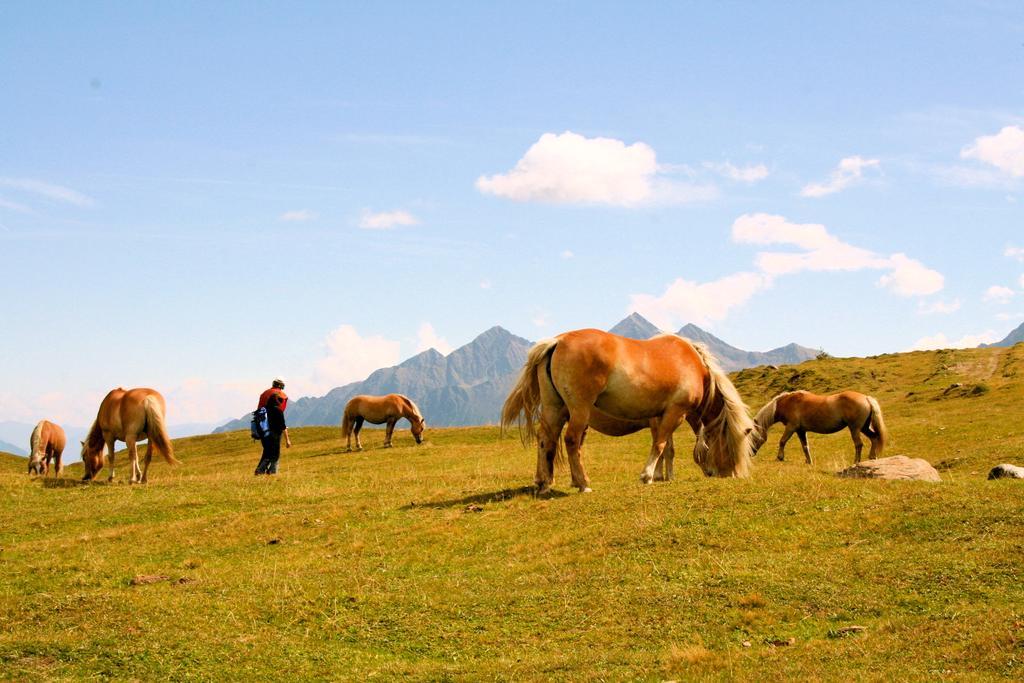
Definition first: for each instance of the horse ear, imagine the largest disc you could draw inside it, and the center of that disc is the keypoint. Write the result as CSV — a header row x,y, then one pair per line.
x,y
749,429
82,442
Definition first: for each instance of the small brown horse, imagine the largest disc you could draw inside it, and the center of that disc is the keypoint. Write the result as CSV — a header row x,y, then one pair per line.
x,y
802,412
127,416
46,445
656,383
380,410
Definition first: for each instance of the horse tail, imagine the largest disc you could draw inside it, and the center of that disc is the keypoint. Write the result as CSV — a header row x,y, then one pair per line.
x,y
877,423
726,423
156,430
523,402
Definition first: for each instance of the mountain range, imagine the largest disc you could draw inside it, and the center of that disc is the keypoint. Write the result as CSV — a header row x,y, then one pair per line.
x,y
469,385
1015,337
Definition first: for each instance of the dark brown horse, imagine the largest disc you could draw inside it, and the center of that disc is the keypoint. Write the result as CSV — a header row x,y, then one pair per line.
x,y
802,412
380,410
45,446
129,416
664,379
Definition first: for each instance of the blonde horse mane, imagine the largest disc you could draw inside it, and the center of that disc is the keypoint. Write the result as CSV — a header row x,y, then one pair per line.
x,y
727,434
35,441
412,405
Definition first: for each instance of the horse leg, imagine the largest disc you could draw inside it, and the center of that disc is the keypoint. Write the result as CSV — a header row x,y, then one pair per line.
x,y
858,444
802,435
662,435
388,431
356,429
552,420
782,442
149,456
659,467
58,466
110,451
133,457
574,434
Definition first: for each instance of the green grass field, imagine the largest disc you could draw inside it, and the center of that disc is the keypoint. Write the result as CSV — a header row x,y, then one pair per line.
x,y
436,562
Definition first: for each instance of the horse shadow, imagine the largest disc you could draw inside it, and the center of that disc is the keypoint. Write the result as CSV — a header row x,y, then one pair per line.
x,y
71,483
484,498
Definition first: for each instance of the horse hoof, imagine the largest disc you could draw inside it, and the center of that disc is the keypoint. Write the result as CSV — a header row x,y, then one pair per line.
x,y
646,478
586,489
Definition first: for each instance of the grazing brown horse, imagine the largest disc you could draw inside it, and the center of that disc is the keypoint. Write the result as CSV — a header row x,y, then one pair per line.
x,y
46,445
656,383
380,410
802,412
127,416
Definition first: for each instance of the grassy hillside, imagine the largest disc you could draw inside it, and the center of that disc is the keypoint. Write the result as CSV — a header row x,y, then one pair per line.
x,y
435,562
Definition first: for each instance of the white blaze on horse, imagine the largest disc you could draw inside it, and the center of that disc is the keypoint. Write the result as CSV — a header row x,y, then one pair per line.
x,y
129,416
802,412
583,377
380,410
46,445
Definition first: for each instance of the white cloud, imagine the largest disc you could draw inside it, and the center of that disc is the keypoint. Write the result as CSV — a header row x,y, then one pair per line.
x,y
1004,150
14,206
1009,316
57,193
299,215
939,307
385,220
685,301
744,174
573,169
823,251
705,303
349,357
567,254
941,341
486,284
849,171
1021,282
998,294
1015,253
910,277
427,338
540,319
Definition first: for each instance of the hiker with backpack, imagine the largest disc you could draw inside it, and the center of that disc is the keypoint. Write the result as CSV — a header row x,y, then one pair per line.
x,y
268,426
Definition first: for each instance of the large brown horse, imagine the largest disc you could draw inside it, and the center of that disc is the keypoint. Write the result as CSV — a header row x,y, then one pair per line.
x,y
45,446
127,416
656,383
802,412
380,410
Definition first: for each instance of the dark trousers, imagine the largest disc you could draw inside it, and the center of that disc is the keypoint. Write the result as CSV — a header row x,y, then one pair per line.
x,y
271,454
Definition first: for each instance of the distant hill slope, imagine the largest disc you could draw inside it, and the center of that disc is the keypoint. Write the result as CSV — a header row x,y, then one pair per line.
x,y
7,447
468,386
1015,337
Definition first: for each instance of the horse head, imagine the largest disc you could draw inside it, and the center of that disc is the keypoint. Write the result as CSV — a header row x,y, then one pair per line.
x,y
757,438
35,465
92,458
418,425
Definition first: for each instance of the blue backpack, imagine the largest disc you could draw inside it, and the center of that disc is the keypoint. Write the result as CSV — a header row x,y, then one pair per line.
x,y
260,425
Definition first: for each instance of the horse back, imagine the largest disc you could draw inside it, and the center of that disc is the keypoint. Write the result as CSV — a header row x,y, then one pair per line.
x,y
53,438
631,378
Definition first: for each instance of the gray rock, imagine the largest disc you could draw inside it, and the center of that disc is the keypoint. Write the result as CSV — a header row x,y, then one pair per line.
x,y
894,467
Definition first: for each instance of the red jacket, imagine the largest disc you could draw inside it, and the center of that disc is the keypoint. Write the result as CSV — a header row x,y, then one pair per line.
x,y
265,396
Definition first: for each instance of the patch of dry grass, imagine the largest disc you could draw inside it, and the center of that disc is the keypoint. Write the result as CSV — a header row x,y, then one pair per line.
x,y
436,562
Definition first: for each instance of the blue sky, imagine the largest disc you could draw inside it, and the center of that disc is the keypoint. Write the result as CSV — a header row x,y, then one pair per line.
x,y
198,197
